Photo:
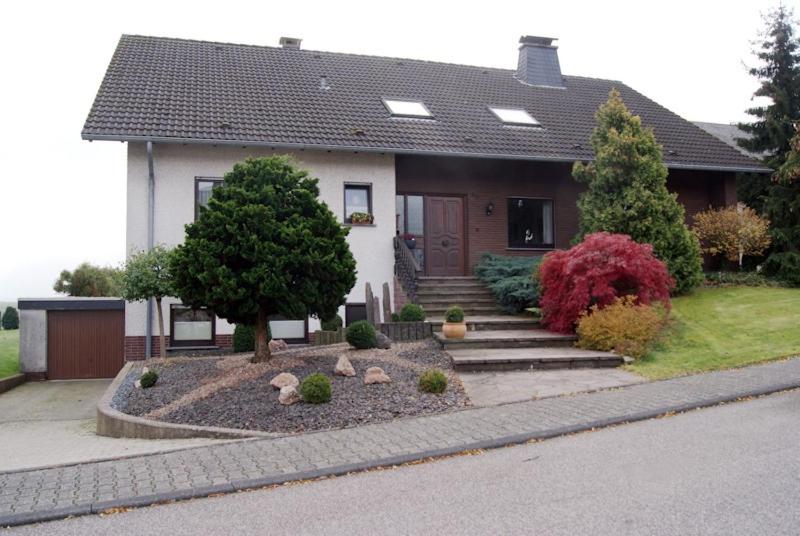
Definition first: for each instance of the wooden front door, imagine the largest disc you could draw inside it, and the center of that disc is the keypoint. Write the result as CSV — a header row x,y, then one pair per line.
x,y
85,344
444,236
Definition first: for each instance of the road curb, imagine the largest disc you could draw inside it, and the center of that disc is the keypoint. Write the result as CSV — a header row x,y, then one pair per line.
x,y
497,442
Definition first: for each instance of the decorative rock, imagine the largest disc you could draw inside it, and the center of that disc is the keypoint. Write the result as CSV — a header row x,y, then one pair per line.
x,y
376,375
284,379
138,384
276,345
344,367
382,341
288,395
145,370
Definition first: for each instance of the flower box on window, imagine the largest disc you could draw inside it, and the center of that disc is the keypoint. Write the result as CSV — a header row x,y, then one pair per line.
x,y
361,218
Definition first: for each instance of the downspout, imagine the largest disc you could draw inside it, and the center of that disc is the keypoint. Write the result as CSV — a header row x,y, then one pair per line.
x,y
151,216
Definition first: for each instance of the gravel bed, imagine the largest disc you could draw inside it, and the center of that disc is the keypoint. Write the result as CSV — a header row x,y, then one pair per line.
x,y
175,379
253,404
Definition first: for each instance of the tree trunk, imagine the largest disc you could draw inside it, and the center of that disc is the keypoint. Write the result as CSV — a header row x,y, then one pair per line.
x,y
262,344
162,344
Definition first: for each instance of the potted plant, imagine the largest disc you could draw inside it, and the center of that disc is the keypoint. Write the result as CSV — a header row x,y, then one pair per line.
x,y
454,326
410,240
360,218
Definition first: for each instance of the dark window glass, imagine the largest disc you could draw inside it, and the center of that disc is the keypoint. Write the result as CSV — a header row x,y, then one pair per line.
x,y
530,223
191,327
354,312
202,192
357,198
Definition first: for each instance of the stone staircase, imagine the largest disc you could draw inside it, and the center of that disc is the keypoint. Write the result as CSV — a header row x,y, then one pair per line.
x,y
496,341
437,294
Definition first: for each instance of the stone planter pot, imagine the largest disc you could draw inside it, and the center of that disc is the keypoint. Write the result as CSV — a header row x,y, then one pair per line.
x,y
454,330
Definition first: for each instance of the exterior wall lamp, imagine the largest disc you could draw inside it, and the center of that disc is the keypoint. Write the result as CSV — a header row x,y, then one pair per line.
x,y
489,208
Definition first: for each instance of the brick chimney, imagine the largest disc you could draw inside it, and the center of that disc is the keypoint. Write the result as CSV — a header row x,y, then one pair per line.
x,y
538,62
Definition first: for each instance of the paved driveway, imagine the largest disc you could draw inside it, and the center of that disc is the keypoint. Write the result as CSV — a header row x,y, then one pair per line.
x,y
53,423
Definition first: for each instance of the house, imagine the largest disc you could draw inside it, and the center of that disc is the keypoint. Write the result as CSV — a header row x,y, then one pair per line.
x,y
464,159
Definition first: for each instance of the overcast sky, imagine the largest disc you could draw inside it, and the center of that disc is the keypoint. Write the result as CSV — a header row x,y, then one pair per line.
x,y
62,200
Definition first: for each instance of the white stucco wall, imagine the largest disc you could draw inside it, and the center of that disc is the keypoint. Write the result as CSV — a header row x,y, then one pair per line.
x,y
176,167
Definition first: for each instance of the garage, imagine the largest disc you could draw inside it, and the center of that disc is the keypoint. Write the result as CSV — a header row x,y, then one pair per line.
x,y
72,338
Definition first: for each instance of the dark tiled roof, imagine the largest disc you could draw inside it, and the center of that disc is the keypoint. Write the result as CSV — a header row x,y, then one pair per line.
x,y
174,89
729,133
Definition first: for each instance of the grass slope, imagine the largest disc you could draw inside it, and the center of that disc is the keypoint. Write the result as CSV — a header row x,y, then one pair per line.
x,y
717,328
9,352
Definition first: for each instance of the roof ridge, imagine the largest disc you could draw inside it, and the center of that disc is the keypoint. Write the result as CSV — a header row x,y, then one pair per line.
x,y
374,56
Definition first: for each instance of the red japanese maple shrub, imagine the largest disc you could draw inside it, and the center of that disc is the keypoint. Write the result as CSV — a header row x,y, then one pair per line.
x,y
595,272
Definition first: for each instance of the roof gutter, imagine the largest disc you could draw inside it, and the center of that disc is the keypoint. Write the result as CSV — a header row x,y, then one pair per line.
x,y
394,150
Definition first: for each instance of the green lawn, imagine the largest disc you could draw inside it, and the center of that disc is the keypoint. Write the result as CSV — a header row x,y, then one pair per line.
x,y
9,352
717,328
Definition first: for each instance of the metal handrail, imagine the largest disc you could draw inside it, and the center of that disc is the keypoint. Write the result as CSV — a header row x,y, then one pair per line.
x,y
406,268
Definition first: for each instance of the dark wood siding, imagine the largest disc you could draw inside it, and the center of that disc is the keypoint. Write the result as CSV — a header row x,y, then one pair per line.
x,y
485,180
85,344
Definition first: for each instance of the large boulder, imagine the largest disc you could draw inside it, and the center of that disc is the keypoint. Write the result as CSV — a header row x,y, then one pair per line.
x,y
276,345
376,375
382,341
284,379
344,367
288,395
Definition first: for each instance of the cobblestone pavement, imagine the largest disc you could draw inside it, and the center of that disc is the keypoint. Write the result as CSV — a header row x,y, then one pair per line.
x,y
93,487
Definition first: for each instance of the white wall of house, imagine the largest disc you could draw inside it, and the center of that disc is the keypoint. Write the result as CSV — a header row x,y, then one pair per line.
x,y
176,167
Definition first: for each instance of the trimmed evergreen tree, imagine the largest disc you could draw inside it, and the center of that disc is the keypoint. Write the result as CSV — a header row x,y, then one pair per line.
x,y
627,193
777,197
772,129
10,318
265,245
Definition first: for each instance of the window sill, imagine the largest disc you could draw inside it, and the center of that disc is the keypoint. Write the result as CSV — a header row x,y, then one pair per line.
x,y
174,348
552,248
359,224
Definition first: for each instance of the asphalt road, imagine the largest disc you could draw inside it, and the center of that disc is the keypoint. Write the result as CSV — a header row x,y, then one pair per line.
x,y
731,470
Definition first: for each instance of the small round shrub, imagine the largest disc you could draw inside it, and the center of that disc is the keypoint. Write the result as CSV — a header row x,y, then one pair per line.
x,y
595,272
433,381
332,324
411,312
625,327
395,317
361,335
148,379
244,338
316,389
454,314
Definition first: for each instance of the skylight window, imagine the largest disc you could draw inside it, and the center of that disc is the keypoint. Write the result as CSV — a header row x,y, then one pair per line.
x,y
514,116
406,108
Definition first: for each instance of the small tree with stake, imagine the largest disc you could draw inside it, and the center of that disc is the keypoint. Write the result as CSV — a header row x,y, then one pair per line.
x,y
146,275
265,245
733,231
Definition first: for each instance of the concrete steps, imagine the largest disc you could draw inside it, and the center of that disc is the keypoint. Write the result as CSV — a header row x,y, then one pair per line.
x,y
490,322
469,310
469,360
495,341
508,338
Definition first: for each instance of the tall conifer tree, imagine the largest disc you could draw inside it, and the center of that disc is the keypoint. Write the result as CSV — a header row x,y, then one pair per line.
x,y
627,193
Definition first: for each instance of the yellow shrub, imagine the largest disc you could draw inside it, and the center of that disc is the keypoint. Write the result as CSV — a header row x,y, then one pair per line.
x,y
624,327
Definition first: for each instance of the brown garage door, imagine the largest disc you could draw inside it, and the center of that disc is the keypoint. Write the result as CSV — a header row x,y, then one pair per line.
x,y
85,344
